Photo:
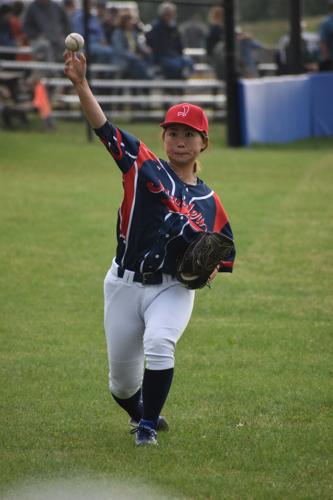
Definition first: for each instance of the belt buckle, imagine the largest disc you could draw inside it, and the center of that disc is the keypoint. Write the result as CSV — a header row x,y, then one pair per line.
x,y
146,278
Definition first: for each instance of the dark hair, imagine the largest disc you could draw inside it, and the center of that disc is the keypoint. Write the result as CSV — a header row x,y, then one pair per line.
x,y
17,7
124,18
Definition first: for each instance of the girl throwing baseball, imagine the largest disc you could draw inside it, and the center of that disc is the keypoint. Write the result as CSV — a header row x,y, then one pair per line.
x,y
165,204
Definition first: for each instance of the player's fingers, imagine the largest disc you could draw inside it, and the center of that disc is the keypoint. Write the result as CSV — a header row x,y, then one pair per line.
x,y
70,59
67,54
82,58
67,57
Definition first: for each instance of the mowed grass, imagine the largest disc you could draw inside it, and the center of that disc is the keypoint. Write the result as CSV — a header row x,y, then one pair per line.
x,y
250,410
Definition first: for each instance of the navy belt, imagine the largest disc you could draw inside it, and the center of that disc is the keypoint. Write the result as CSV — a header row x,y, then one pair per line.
x,y
155,278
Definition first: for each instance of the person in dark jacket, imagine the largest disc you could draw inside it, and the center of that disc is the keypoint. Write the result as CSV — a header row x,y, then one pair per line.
x,y
165,42
46,25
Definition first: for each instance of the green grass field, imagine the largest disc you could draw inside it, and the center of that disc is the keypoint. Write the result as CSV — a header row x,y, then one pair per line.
x,y
251,407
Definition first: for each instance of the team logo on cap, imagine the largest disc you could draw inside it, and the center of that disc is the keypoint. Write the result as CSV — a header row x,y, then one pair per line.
x,y
185,111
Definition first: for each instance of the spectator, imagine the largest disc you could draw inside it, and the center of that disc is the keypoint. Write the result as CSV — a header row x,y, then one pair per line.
x,y
100,51
248,47
10,112
245,47
194,32
46,25
7,38
165,42
110,22
20,96
326,40
17,30
215,29
131,52
70,8
309,51
215,44
109,19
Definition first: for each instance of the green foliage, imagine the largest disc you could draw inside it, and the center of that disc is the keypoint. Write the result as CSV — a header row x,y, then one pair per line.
x,y
269,31
247,10
315,7
251,406
254,10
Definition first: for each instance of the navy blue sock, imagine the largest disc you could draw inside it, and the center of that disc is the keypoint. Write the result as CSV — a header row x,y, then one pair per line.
x,y
132,405
155,388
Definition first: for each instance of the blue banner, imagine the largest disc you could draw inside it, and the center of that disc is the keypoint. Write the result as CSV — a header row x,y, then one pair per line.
x,y
286,108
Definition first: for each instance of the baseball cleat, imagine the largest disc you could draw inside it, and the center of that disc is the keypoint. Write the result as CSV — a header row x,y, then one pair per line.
x,y
162,424
145,436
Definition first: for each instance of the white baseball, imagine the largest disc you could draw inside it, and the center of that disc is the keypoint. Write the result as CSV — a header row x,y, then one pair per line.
x,y
74,42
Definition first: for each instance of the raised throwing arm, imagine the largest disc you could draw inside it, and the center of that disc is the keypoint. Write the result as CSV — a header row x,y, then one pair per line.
x,y
75,70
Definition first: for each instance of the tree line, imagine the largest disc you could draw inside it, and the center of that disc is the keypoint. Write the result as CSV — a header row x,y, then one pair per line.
x,y
247,10
253,10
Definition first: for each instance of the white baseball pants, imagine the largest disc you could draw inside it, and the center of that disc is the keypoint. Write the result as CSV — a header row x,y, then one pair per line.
x,y
142,325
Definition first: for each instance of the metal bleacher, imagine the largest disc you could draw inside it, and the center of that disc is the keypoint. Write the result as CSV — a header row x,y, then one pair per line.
x,y
127,99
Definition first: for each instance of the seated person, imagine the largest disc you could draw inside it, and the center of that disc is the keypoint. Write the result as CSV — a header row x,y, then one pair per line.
x,y
12,113
165,42
215,33
46,25
7,38
131,53
100,51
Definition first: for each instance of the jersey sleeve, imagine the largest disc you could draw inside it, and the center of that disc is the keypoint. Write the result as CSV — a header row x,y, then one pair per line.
x,y
123,147
222,225
226,266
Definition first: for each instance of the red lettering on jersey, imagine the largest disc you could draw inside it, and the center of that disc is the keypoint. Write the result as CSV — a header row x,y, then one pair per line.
x,y
180,206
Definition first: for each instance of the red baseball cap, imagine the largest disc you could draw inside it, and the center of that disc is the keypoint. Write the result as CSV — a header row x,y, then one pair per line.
x,y
187,114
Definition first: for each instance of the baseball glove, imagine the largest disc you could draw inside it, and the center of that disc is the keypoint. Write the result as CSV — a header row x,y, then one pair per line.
x,y
201,257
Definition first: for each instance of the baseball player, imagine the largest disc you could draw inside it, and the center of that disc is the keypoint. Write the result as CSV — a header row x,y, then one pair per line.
x,y
165,205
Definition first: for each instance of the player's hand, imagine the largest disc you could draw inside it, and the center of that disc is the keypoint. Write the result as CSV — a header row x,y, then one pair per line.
x,y
75,67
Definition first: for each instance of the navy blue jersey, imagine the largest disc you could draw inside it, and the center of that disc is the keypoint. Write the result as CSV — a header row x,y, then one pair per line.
x,y
159,214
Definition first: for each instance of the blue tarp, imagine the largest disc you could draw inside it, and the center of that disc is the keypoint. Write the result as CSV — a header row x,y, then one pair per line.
x,y
286,108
